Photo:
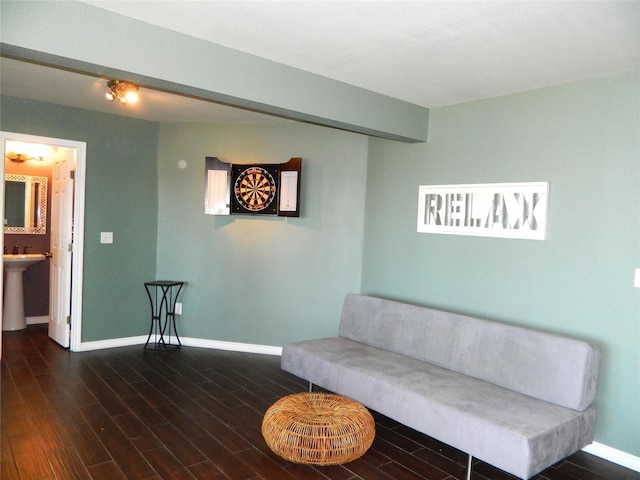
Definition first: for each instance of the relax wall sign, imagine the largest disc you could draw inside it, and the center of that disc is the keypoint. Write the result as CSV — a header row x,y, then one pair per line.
x,y
508,210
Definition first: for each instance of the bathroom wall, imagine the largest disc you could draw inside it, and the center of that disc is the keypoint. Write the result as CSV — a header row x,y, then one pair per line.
x,y
36,278
584,139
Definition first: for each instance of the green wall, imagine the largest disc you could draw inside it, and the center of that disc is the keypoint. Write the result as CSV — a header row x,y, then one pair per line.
x,y
583,139
262,280
272,280
121,197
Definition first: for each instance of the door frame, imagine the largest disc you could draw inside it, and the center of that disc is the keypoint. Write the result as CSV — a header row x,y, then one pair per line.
x,y
78,223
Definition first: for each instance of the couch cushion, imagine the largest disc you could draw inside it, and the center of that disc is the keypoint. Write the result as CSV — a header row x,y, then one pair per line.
x,y
550,367
512,431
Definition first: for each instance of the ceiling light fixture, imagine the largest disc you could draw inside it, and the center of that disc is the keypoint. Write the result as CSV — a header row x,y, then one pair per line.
x,y
124,92
24,151
21,157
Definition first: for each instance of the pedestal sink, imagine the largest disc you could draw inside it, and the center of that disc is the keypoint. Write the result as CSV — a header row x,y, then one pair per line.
x,y
13,306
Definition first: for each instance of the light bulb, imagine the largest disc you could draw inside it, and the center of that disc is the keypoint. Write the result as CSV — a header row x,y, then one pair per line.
x,y
123,92
131,96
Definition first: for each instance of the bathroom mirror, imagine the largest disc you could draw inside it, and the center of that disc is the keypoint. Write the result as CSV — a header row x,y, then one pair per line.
x,y
25,204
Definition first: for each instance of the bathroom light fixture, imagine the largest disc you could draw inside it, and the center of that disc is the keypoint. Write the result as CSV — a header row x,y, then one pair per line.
x,y
21,157
124,92
23,151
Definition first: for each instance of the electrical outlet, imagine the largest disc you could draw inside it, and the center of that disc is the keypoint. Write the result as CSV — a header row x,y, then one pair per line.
x,y
178,309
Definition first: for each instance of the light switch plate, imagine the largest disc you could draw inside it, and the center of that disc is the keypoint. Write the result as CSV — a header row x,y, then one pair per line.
x,y
106,237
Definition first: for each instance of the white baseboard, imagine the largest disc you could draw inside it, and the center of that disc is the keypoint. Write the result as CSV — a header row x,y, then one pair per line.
x,y
37,320
613,455
598,449
232,346
186,341
111,343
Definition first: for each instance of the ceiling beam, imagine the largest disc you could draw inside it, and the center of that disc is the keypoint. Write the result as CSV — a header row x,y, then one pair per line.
x,y
80,37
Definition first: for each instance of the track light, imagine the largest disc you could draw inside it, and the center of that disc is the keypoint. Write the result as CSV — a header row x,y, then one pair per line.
x,y
124,92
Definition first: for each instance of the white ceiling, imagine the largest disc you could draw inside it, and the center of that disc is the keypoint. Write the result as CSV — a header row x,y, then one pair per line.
x,y
431,53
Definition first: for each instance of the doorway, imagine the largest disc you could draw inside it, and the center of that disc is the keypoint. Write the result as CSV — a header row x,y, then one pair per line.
x,y
66,228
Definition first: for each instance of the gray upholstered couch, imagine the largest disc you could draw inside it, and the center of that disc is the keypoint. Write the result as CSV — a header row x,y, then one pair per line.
x,y
515,398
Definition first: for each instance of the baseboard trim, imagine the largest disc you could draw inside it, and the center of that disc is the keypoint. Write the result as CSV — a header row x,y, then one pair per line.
x,y
614,455
186,341
37,320
111,343
598,449
232,346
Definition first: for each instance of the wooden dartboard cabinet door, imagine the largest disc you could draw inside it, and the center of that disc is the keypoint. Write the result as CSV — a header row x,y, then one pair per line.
x,y
289,188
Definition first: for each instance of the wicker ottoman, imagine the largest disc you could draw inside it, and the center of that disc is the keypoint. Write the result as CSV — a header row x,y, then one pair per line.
x,y
318,428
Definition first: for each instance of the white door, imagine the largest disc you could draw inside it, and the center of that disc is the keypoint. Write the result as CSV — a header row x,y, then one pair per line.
x,y
61,247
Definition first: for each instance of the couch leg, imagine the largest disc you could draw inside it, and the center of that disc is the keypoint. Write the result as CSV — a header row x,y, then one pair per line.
x,y
469,468
310,387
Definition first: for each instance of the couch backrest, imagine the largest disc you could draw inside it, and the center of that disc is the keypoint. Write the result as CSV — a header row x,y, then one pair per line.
x,y
557,369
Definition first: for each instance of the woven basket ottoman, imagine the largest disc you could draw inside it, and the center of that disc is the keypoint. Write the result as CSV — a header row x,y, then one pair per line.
x,y
318,428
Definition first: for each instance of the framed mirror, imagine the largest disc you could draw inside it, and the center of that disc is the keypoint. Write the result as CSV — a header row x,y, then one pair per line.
x,y
25,204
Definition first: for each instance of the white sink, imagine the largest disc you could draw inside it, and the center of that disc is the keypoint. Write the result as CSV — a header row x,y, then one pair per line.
x,y
13,305
21,262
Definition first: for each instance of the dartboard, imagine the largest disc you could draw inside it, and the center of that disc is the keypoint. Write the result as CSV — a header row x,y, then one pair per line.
x,y
255,189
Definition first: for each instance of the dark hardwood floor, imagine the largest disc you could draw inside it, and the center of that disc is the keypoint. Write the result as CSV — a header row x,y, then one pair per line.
x,y
194,414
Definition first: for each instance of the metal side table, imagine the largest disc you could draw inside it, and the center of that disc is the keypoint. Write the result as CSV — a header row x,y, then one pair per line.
x,y
163,295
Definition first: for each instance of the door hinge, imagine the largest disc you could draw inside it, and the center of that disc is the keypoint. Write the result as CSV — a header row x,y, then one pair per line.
x,y
72,174
70,247
68,319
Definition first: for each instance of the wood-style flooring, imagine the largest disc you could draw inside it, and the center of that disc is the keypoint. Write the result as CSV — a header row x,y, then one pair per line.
x,y
193,414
